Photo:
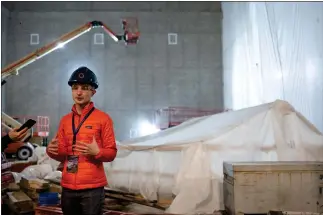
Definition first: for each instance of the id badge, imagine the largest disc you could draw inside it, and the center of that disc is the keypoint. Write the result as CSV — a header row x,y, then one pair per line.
x,y
72,163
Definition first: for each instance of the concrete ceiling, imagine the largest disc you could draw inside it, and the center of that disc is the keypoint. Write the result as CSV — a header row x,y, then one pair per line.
x,y
49,6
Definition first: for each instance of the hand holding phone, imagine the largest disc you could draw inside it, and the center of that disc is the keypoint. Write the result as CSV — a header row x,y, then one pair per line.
x,y
14,135
30,123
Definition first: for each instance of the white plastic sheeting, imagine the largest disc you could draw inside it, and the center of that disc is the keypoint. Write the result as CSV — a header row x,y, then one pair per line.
x,y
274,50
186,160
45,168
43,158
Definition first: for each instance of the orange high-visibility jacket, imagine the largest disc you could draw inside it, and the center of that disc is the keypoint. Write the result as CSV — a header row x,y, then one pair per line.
x,y
90,172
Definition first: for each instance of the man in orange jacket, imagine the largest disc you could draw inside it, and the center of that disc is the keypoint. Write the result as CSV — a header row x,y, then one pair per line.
x,y
85,140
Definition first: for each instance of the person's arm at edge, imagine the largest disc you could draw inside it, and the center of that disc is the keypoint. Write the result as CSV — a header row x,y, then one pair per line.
x,y
5,141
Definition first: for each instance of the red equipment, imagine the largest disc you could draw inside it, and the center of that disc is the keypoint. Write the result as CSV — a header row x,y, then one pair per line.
x,y
131,32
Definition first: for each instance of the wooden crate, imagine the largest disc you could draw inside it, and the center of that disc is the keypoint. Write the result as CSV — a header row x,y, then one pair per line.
x,y
19,202
259,187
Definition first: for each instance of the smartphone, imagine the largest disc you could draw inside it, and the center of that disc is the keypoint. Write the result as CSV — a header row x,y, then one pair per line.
x,y
28,124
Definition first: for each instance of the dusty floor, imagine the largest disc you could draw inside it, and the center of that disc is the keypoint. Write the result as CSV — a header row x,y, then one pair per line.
x,y
142,209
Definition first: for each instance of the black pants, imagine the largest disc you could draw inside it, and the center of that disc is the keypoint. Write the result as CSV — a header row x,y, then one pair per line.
x,y
83,202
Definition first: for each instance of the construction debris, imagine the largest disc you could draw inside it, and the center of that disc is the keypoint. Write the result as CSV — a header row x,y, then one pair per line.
x,y
24,197
135,198
19,202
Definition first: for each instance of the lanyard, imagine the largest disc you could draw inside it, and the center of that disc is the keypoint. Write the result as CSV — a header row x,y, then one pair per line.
x,y
79,126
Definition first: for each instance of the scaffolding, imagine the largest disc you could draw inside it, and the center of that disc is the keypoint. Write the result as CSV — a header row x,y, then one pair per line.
x,y
172,116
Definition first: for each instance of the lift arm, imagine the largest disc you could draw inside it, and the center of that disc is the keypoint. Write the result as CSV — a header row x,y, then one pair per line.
x,y
129,38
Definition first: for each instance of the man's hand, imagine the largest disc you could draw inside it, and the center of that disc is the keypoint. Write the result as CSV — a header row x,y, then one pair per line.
x,y
53,147
87,149
17,136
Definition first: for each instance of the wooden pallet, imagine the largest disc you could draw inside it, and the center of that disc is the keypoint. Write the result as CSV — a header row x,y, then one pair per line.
x,y
134,198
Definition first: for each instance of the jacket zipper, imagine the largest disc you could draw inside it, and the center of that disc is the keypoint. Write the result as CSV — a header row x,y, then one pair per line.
x,y
78,161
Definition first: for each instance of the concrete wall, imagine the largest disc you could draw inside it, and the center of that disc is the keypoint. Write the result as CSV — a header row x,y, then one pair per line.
x,y
134,80
5,14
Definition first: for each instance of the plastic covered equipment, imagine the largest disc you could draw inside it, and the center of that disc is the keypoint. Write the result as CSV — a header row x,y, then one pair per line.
x,y
187,160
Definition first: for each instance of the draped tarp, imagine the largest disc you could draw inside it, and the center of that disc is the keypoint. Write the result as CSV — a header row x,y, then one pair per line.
x,y
186,160
274,50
